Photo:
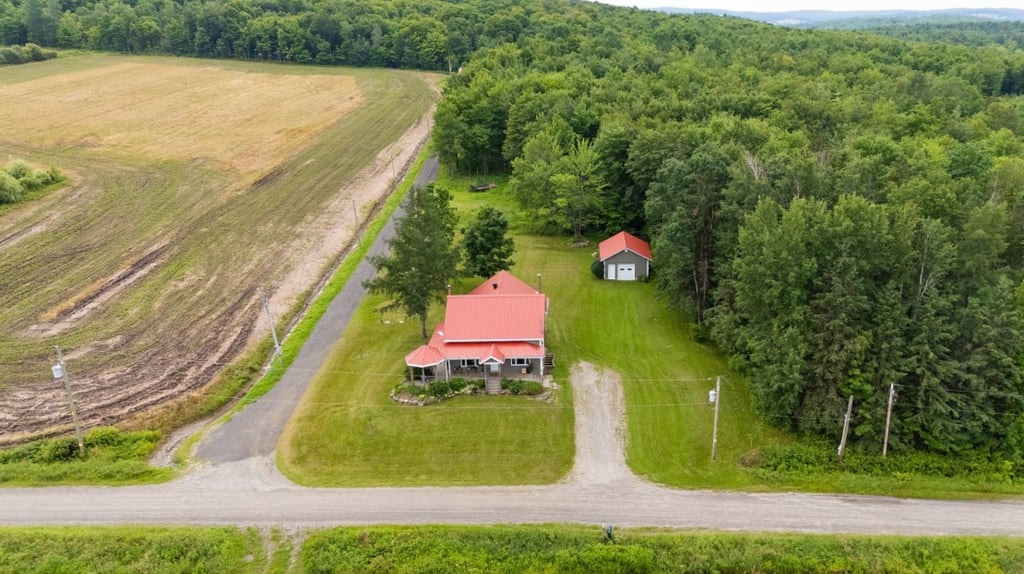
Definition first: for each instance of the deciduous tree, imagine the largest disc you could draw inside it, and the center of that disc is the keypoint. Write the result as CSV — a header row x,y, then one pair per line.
x,y
486,243
422,259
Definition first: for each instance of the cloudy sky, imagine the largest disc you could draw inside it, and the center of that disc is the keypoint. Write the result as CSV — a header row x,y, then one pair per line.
x,y
785,5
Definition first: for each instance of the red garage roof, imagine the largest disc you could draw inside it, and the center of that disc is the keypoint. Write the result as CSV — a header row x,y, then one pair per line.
x,y
623,241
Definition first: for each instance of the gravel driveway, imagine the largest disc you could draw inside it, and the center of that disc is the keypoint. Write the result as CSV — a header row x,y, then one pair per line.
x,y
600,427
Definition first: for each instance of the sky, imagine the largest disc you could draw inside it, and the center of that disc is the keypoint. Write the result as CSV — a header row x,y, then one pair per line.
x,y
787,5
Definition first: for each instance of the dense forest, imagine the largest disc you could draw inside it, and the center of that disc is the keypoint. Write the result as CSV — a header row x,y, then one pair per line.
x,y
1009,35
838,211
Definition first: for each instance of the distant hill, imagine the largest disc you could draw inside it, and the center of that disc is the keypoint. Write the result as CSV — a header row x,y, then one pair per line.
x,y
867,18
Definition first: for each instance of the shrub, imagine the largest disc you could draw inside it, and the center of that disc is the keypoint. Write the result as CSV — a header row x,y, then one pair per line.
x,y
57,450
18,178
10,189
597,268
33,52
438,388
11,55
532,388
408,388
700,332
106,443
18,169
513,386
457,384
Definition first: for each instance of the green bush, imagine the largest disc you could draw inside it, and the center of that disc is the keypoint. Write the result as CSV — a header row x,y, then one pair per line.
x,y
597,268
28,53
700,332
106,443
18,169
11,55
438,388
18,177
532,388
10,189
518,387
457,384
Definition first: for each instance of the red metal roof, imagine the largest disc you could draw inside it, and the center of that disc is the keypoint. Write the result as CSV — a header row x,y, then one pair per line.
x,y
502,318
504,283
424,356
494,318
622,241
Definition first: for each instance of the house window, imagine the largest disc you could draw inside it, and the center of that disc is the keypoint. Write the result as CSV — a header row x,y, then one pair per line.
x,y
468,363
520,362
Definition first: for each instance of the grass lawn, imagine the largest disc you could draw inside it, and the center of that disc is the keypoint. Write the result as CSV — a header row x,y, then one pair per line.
x,y
348,432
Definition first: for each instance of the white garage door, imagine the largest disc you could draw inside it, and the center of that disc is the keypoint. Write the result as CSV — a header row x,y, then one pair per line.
x,y
627,272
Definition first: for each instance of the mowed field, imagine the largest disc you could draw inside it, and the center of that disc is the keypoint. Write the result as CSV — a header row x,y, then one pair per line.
x,y
193,183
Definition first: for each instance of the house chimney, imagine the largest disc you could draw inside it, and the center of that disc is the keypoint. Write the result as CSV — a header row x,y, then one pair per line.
x,y
449,288
538,283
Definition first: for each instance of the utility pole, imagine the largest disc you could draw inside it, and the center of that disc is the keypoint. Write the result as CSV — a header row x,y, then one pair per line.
x,y
355,217
846,428
60,371
714,428
888,417
273,329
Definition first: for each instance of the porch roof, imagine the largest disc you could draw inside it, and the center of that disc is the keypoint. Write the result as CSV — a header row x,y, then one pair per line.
x,y
424,356
437,350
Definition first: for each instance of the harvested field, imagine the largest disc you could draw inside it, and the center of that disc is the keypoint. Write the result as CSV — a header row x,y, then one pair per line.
x,y
248,121
193,183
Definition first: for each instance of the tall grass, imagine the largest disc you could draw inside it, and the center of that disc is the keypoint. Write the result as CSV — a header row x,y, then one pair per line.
x,y
110,457
571,549
132,549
